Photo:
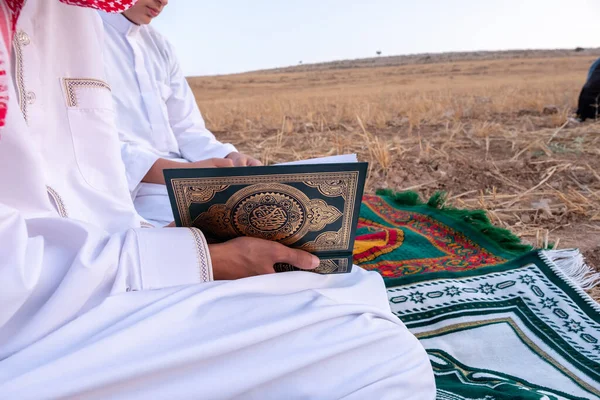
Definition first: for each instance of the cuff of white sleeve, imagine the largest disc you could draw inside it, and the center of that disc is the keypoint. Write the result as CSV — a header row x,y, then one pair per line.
x,y
226,150
173,257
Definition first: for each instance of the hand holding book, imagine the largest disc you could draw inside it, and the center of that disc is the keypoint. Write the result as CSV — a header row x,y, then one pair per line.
x,y
306,206
244,257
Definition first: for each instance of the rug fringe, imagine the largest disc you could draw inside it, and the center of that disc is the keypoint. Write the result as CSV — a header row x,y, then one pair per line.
x,y
477,219
573,264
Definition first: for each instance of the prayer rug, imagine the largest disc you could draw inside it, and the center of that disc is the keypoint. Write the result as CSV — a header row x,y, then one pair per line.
x,y
498,320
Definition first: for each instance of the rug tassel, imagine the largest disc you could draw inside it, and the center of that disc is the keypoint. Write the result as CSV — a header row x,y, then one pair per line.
x,y
572,263
476,219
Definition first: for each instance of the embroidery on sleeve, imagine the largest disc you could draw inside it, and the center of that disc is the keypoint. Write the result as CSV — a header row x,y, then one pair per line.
x,y
204,263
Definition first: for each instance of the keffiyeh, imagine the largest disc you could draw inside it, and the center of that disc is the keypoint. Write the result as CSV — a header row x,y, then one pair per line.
x,y
9,14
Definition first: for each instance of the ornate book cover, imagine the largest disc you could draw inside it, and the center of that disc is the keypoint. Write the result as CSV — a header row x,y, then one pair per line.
x,y
310,207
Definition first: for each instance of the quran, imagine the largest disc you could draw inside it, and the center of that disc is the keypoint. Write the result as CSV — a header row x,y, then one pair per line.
x,y
308,206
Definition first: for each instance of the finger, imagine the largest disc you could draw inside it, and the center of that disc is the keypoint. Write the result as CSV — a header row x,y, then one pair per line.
x,y
171,225
222,162
244,161
252,162
298,258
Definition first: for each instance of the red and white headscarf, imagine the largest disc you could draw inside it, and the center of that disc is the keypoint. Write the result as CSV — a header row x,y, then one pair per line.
x,y
9,14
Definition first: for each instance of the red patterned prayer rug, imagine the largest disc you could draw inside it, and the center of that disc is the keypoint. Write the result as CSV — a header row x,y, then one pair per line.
x,y
399,236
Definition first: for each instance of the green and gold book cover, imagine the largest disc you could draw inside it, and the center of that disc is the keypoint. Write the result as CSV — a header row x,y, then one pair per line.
x,y
310,207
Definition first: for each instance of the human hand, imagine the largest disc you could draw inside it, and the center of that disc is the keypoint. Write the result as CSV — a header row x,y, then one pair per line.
x,y
244,257
211,163
243,160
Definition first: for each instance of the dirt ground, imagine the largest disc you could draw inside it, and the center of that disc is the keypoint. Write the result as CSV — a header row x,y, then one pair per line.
x,y
493,130
544,198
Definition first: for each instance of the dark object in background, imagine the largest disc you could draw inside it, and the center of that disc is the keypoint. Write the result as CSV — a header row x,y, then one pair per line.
x,y
589,99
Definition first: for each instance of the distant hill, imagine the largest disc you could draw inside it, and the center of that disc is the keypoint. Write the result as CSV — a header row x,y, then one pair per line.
x,y
434,58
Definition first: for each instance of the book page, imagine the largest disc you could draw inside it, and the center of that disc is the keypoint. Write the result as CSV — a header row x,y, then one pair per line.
x,y
345,158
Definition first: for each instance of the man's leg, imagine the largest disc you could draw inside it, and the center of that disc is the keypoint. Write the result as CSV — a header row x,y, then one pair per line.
x,y
260,338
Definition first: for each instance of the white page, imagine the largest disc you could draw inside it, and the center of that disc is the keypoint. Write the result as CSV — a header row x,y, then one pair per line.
x,y
345,158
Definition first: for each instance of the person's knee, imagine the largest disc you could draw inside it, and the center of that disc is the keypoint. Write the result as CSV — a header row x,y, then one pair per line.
x,y
415,372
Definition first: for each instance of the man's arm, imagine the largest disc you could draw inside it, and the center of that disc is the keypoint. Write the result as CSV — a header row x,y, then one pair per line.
x,y
155,174
195,141
53,269
142,165
138,161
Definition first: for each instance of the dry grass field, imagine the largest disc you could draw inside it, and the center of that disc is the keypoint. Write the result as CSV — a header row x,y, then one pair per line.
x,y
490,129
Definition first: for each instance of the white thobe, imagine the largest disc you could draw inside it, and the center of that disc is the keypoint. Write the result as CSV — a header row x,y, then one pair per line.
x,y
157,114
93,307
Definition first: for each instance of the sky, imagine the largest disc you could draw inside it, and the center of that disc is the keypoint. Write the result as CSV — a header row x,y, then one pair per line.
x,y
229,36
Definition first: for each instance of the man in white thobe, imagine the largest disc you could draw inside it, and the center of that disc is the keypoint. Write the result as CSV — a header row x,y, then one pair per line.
x,y
94,307
159,123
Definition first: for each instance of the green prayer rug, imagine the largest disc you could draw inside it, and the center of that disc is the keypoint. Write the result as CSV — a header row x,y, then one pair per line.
x,y
498,320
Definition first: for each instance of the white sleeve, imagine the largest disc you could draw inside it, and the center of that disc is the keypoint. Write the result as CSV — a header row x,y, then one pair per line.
x,y
195,141
138,161
54,269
